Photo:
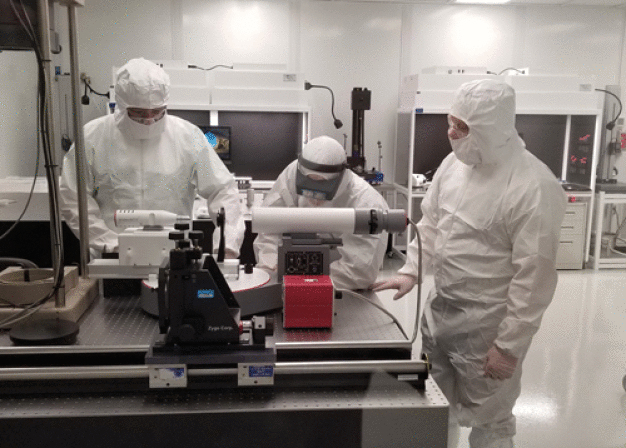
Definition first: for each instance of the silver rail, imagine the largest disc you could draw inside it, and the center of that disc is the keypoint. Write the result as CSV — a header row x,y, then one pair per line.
x,y
141,371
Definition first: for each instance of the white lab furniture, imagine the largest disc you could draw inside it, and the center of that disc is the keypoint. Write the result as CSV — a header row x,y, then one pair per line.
x,y
571,253
602,256
570,100
266,108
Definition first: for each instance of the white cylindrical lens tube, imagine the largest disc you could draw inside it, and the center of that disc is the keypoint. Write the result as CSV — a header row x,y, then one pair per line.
x,y
142,218
280,220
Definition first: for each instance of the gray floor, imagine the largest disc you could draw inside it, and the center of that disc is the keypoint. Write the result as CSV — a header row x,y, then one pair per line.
x,y
572,392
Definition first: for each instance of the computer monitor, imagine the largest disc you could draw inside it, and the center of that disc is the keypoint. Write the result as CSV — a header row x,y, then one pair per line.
x,y
543,134
431,143
219,137
265,142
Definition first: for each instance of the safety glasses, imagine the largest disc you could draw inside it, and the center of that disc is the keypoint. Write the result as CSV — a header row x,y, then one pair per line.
x,y
146,116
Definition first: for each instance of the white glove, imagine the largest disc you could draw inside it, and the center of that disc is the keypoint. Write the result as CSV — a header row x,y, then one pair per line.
x,y
499,365
403,283
268,269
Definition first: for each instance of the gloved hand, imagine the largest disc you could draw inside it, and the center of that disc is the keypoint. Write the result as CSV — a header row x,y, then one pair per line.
x,y
403,283
266,268
499,365
230,254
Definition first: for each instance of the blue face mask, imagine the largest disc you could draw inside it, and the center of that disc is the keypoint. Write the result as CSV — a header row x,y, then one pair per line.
x,y
318,189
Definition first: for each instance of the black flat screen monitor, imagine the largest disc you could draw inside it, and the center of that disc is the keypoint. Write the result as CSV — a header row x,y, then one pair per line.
x,y
220,138
544,136
264,142
431,143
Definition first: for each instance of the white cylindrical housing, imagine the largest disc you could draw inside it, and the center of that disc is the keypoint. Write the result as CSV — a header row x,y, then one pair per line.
x,y
280,220
150,218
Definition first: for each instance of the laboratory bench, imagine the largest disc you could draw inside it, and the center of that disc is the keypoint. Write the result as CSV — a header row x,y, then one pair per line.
x,y
95,392
603,254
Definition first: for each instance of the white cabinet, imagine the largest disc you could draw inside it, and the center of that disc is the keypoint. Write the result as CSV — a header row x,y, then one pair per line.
x,y
263,115
571,252
559,118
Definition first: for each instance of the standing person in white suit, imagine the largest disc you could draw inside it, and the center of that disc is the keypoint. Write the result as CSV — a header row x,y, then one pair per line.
x,y
490,232
320,178
142,158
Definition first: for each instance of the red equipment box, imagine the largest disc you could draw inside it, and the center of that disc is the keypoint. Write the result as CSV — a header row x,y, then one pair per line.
x,y
308,301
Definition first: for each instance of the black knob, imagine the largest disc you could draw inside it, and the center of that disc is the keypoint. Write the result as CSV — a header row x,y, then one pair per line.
x,y
196,235
248,268
176,235
181,226
186,332
196,253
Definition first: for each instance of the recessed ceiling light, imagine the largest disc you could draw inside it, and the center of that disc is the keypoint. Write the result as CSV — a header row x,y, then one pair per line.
x,y
484,2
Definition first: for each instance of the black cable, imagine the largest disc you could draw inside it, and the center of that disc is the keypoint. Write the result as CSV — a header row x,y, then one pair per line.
x,y
511,68
371,302
308,86
32,188
29,30
207,69
420,277
93,91
611,124
50,174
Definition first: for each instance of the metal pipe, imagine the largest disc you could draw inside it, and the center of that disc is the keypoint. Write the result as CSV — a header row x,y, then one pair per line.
x,y
138,348
141,371
72,373
70,349
291,368
51,168
79,142
400,343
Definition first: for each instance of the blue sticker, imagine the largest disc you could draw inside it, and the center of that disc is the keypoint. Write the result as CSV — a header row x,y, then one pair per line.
x,y
178,372
261,371
206,293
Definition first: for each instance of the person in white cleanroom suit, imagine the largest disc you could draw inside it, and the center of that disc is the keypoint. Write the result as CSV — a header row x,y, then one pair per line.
x,y
301,184
142,158
490,232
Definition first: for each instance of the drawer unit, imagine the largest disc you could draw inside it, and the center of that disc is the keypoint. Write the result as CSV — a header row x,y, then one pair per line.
x,y
570,254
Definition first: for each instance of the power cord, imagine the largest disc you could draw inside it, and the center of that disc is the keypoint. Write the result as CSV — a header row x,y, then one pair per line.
x,y
419,291
611,124
371,302
210,68
85,98
506,70
44,132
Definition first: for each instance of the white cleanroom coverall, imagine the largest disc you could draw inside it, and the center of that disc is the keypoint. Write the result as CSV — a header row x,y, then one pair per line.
x,y
490,231
361,256
159,166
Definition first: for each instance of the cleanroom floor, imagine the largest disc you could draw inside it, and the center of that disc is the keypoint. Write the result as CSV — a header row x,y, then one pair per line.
x,y
572,392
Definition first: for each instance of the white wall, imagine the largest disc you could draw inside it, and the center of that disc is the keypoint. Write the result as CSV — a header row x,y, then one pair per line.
x,y
581,40
338,44
227,32
345,45
110,32
18,113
